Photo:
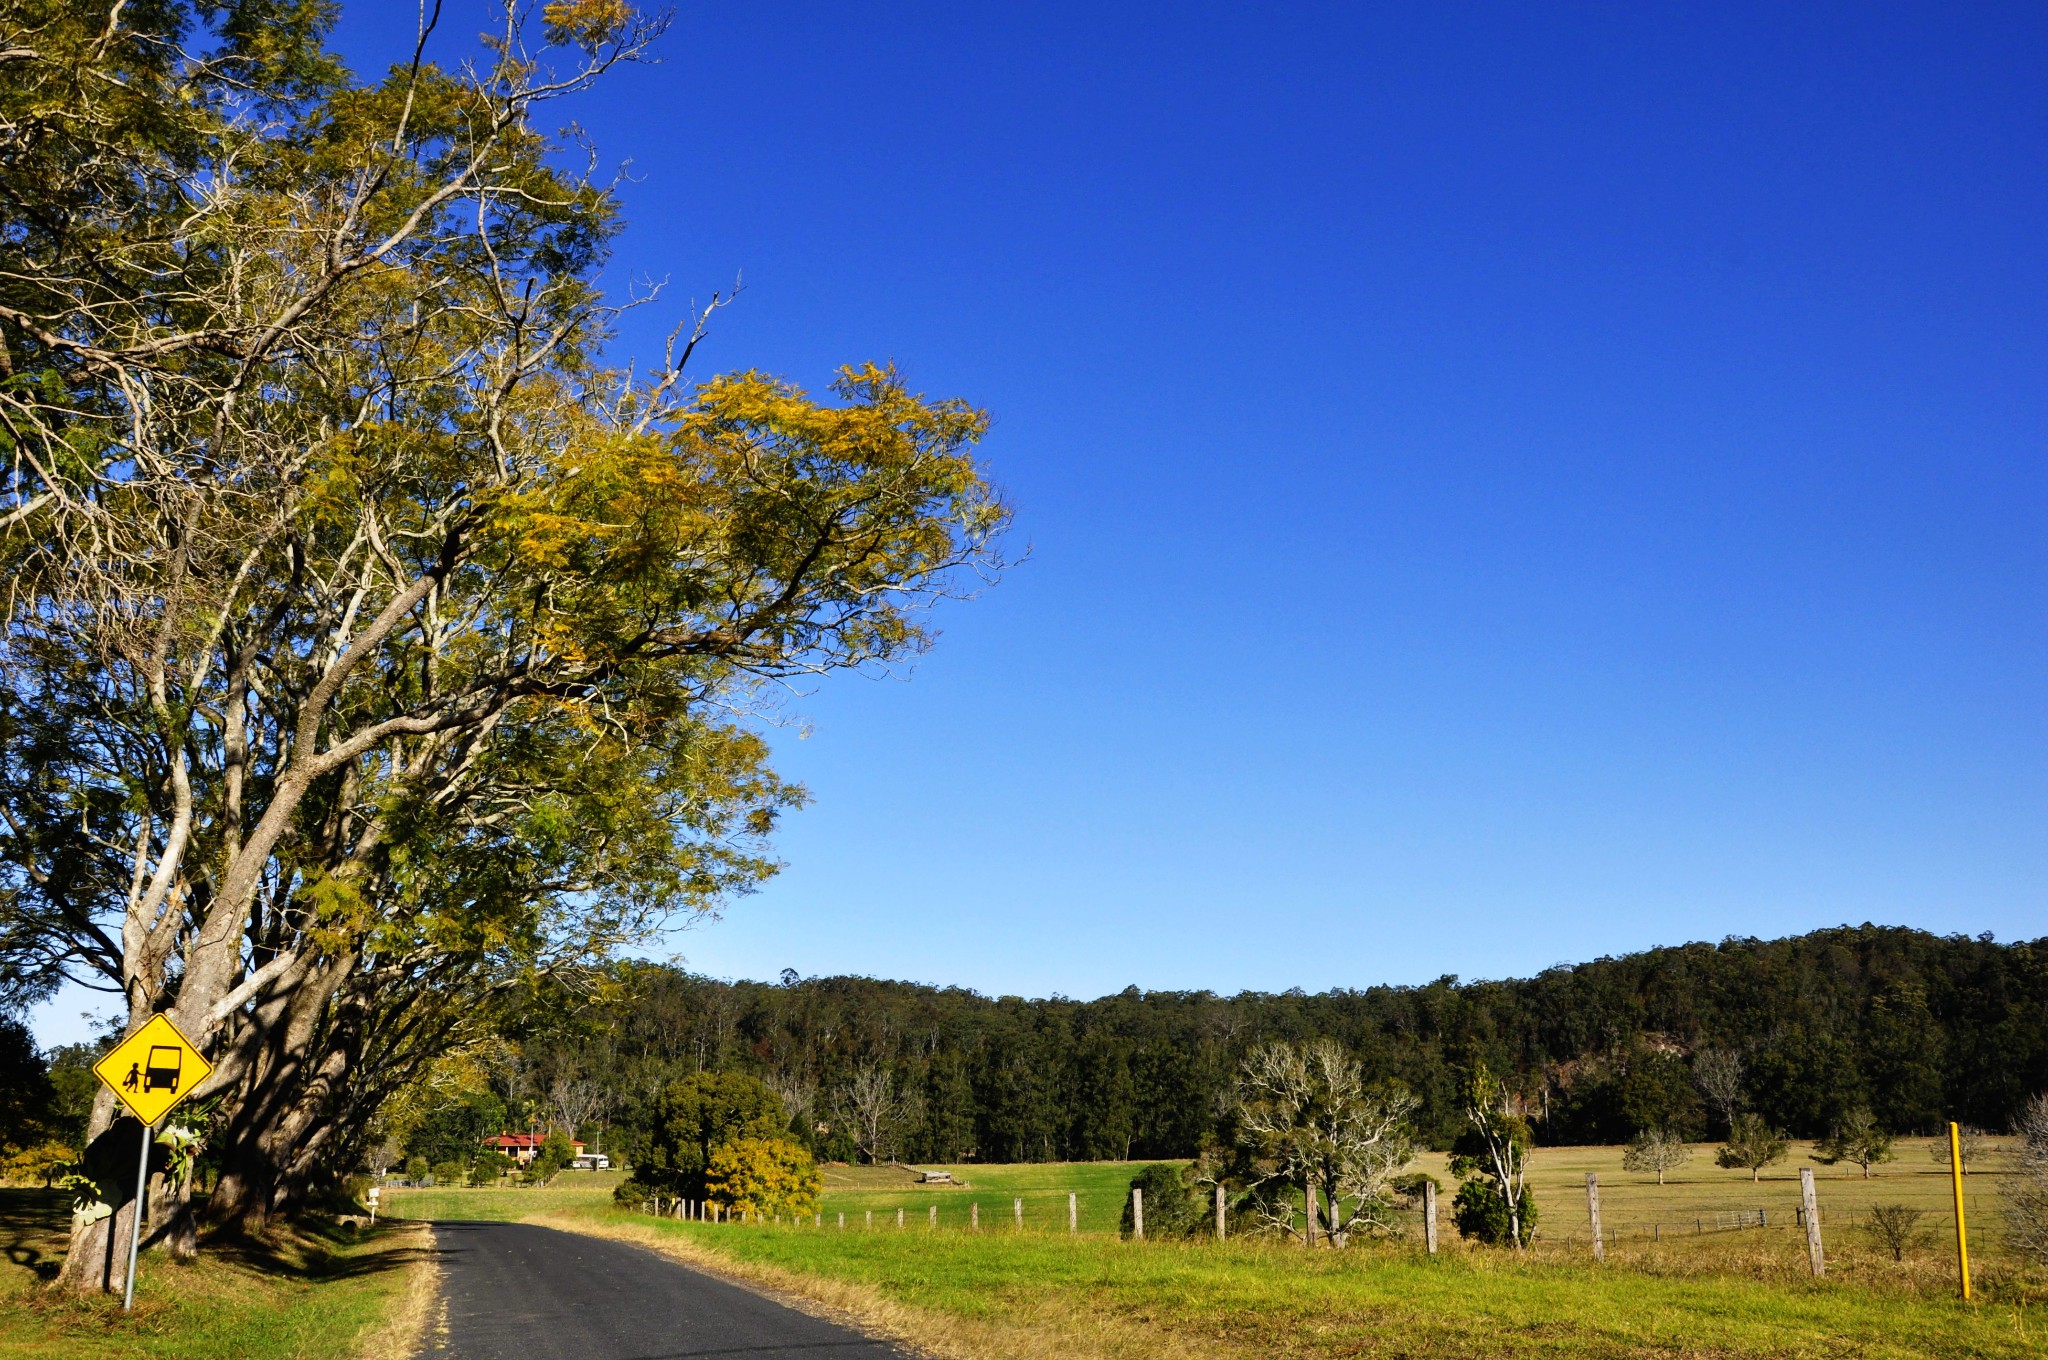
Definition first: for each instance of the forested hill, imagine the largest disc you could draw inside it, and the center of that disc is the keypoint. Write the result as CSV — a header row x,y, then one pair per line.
x,y
1918,1028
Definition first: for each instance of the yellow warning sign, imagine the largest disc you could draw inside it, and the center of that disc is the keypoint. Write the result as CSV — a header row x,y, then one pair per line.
x,y
153,1069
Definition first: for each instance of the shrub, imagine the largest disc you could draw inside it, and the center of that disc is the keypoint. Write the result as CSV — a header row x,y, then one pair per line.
x,y
39,1164
1895,1228
2026,1190
1481,1213
450,1173
1173,1205
758,1175
695,1116
490,1165
1408,1189
556,1152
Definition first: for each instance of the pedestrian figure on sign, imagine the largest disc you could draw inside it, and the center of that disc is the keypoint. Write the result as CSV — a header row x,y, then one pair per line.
x,y
134,1078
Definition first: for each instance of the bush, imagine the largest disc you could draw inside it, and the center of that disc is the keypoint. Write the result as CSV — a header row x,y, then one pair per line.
x,y
450,1173
1173,1203
40,1164
694,1117
556,1152
631,1193
1481,1213
1407,1190
490,1165
1895,1227
764,1176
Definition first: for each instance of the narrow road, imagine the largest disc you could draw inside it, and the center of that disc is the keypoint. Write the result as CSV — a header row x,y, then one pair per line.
x,y
517,1292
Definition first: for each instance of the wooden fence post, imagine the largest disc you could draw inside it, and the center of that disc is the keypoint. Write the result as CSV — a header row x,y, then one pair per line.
x,y
1593,1213
1017,1212
899,1218
1814,1257
974,1215
1222,1221
871,1220
1073,1213
935,1216
1308,1237
1137,1213
1429,1215
842,1220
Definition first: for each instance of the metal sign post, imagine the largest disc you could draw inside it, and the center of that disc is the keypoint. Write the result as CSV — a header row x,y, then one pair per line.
x,y
135,1228
149,1071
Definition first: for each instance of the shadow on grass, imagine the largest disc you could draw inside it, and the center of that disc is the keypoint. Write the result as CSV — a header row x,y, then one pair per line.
x,y
33,1228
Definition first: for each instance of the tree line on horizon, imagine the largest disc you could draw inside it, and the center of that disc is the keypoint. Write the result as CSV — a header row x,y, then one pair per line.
x,y
1802,1033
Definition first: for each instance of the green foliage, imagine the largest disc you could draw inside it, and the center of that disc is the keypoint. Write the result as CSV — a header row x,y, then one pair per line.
x,y
1857,1139
27,1097
1492,1154
490,1165
455,1131
693,1117
1140,1074
1752,1145
1174,1205
752,1174
556,1152
1480,1211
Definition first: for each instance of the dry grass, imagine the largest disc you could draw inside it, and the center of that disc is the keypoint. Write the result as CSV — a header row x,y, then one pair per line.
x,y
404,1329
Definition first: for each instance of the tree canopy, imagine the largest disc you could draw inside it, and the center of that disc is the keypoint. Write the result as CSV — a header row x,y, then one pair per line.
x,y
372,643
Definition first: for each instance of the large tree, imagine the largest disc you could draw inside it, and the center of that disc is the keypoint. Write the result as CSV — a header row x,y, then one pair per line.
x,y
370,644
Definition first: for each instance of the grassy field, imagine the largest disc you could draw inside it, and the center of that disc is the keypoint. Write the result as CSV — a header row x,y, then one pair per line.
x,y
311,1297
1002,1293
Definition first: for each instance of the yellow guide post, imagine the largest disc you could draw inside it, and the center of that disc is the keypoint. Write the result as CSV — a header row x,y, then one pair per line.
x,y
1955,1169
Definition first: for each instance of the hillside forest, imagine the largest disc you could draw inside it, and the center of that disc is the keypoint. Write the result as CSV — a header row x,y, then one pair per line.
x,y
1914,1027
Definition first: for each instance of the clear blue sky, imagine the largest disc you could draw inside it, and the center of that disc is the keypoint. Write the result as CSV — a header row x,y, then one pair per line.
x,y
1505,484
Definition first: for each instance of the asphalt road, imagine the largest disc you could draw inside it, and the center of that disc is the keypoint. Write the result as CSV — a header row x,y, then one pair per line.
x,y
517,1292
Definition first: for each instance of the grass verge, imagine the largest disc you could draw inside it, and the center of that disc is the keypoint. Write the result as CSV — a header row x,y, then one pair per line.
x,y
308,1295
1005,1295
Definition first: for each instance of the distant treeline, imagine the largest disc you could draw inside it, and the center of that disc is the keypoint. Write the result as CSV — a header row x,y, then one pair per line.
x,y
1917,1028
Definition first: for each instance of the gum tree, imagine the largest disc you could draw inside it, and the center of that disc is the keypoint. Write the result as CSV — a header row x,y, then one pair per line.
x,y
371,645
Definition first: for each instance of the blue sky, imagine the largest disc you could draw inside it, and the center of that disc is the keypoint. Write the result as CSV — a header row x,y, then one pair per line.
x,y
1504,484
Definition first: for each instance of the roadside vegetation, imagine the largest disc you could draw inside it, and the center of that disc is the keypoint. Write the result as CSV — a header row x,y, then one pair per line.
x,y
1001,1293
311,1293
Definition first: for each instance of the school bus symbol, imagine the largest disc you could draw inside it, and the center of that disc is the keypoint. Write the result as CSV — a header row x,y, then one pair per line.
x,y
162,1072
153,1069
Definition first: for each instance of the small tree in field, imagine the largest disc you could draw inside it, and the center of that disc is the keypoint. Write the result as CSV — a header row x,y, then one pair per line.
x,y
764,1176
1857,1139
1492,1159
1656,1150
1752,1145
1975,1147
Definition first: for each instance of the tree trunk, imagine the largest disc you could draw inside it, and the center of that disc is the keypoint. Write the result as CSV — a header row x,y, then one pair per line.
x,y
97,1258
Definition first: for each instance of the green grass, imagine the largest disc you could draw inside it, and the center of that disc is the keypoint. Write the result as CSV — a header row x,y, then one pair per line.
x,y
1042,1292
309,1298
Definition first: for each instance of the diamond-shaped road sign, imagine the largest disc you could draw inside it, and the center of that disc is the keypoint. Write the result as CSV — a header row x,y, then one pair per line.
x,y
153,1069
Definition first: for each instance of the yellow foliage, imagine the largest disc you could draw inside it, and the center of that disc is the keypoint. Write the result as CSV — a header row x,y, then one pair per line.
x,y
37,1165
588,24
764,1176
